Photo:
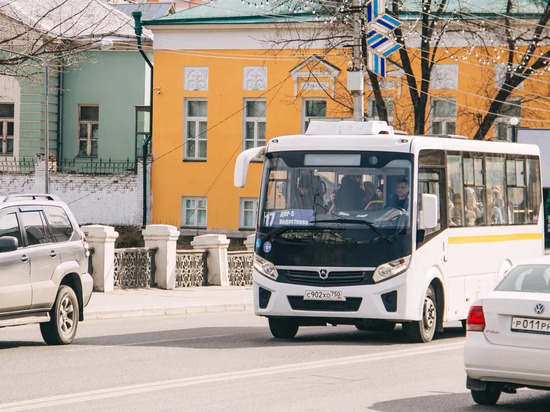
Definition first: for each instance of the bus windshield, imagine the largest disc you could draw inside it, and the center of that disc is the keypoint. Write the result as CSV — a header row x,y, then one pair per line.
x,y
359,198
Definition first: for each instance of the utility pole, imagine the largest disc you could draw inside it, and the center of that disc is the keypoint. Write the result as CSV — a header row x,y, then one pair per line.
x,y
356,74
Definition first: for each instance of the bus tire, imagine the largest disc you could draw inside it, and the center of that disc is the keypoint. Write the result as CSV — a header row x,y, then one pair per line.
x,y
283,328
423,330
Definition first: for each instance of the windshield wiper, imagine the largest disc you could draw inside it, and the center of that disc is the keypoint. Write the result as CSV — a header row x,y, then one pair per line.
x,y
360,221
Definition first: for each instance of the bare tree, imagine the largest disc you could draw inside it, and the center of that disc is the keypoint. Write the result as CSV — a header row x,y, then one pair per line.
x,y
520,65
35,31
434,27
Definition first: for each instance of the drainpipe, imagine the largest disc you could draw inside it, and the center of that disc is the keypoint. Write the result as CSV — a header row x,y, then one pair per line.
x,y
138,30
60,119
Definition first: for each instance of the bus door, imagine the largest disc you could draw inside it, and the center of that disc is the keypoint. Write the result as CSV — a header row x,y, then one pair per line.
x,y
431,244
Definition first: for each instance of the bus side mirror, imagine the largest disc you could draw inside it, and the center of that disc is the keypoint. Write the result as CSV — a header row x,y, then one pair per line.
x,y
241,165
428,214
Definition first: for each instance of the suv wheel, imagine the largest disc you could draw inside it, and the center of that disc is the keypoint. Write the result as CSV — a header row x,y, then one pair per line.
x,y
61,329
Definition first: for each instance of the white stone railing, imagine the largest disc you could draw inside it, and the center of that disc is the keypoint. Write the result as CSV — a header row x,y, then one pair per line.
x,y
167,260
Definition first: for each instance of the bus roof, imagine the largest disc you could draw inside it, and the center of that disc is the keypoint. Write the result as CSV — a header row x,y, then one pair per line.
x,y
374,136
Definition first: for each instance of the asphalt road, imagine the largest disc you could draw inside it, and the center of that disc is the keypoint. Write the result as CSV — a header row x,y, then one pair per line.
x,y
230,362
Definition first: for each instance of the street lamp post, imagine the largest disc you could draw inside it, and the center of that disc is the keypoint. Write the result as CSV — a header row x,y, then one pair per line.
x,y
514,125
138,29
104,45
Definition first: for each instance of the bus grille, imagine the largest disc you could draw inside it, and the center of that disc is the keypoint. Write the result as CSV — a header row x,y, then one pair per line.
x,y
335,278
348,305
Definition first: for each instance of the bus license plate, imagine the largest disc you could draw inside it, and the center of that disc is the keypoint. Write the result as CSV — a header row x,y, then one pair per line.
x,y
324,295
531,325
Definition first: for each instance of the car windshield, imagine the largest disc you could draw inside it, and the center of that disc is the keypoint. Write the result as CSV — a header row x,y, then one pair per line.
x,y
527,278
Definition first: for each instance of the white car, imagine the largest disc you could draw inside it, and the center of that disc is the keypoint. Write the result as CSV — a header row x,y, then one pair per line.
x,y
508,334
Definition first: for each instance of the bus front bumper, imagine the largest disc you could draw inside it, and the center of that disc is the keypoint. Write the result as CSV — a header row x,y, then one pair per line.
x,y
386,300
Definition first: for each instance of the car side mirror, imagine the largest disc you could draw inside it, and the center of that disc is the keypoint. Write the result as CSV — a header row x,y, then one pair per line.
x,y
8,244
428,213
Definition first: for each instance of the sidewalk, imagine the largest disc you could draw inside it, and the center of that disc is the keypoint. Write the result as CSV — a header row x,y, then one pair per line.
x,y
126,303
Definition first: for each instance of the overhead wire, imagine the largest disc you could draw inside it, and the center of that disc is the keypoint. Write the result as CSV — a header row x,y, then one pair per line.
x,y
244,56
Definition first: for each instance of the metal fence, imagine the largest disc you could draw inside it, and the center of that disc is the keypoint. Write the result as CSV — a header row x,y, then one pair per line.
x,y
21,165
240,268
191,268
134,267
97,167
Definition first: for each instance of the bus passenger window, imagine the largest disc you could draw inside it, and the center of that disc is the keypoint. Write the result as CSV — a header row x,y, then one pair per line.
x,y
496,190
533,190
454,190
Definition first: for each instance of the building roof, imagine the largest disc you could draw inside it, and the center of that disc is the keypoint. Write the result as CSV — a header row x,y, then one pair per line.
x,y
149,11
74,19
262,11
237,11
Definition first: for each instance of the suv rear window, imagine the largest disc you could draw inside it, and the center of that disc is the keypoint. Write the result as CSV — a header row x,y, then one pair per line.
x,y
59,223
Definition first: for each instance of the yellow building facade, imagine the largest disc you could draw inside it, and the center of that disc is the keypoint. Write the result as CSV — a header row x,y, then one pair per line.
x,y
221,88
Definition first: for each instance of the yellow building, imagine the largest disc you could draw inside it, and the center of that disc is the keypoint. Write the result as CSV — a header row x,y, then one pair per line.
x,y
224,82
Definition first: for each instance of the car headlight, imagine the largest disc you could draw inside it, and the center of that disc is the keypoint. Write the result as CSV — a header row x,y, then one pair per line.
x,y
391,269
265,267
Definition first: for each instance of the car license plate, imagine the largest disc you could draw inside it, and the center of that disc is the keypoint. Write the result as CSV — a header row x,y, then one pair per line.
x,y
531,325
324,295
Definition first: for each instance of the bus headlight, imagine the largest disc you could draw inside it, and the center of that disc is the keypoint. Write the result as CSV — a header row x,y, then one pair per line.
x,y
391,269
265,267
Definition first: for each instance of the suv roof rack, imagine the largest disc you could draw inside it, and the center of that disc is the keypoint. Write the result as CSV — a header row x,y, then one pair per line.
x,y
32,196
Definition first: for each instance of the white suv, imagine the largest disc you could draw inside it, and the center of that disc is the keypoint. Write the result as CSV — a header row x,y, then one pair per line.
x,y
43,266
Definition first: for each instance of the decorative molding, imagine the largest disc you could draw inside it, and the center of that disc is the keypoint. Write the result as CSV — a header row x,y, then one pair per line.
x,y
305,80
384,85
444,76
195,78
309,85
255,78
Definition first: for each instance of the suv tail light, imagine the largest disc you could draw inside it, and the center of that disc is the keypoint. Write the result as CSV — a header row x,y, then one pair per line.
x,y
476,319
84,243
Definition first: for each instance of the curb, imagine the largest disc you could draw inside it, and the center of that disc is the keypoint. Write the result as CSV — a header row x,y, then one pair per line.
x,y
123,313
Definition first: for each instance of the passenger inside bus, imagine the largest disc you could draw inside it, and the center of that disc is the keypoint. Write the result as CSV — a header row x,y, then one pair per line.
x,y
401,198
350,195
310,194
455,211
473,212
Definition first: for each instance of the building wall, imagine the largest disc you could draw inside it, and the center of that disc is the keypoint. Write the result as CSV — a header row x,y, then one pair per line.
x,y
174,177
472,85
116,81
92,198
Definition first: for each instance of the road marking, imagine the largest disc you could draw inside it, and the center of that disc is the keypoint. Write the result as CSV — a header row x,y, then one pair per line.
x,y
219,377
88,346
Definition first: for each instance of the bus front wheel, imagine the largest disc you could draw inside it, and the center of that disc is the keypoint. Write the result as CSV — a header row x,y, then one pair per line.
x,y
424,329
283,328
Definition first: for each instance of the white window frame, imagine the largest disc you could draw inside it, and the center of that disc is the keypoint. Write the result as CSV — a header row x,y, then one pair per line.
x,y
243,211
371,110
89,138
256,140
196,207
305,118
4,137
504,121
444,120
198,139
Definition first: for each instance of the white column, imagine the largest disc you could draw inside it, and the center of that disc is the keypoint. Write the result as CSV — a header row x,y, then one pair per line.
x,y
249,242
218,267
102,239
163,237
